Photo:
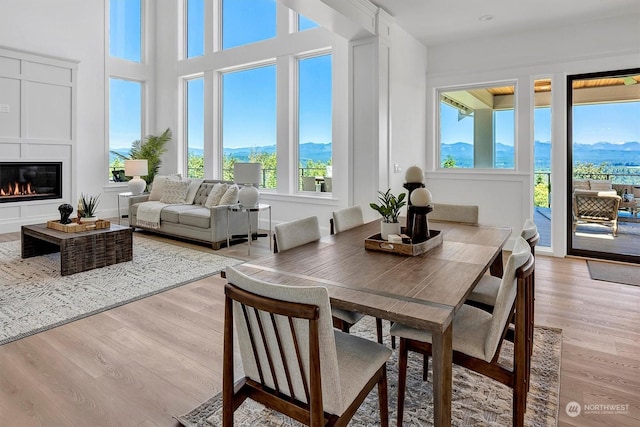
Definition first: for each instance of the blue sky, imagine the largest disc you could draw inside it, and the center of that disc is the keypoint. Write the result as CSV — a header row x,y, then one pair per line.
x,y
249,104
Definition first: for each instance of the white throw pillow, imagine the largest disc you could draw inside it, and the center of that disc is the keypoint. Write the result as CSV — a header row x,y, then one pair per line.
x,y
157,188
581,184
215,195
230,196
193,189
175,192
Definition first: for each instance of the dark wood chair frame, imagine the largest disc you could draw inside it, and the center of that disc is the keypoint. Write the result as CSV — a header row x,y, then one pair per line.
x,y
310,413
516,378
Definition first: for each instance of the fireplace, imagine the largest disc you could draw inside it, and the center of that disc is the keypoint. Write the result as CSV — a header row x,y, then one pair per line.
x,y
25,181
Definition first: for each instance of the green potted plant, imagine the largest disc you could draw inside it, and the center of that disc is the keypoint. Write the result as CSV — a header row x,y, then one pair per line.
x,y
87,207
151,149
389,209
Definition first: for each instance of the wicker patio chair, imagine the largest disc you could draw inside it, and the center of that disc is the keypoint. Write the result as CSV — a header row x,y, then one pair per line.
x,y
596,208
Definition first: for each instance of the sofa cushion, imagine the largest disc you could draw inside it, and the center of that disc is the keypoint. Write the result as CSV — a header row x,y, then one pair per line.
x,y
230,196
175,192
215,195
203,193
581,184
196,217
171,213
157,187
600,184
193,189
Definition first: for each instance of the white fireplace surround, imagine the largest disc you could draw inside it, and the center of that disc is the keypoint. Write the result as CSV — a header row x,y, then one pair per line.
x,y
37,123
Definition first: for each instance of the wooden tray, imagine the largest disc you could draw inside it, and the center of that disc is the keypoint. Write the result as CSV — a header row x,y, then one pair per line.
x,y
375,243
76,228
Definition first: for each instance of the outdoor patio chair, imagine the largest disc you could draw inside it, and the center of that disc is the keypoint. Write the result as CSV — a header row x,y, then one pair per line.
x,y
596,208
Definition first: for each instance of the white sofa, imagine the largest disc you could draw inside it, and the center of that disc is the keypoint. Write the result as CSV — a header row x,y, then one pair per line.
x,y
195,221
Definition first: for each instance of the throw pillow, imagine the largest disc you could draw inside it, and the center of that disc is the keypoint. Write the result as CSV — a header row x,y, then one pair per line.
x,y
175,192
230,196
600,185
581,184
157,187
193,189
215,195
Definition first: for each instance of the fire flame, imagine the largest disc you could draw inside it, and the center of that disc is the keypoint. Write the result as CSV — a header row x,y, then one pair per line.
x,y
17,189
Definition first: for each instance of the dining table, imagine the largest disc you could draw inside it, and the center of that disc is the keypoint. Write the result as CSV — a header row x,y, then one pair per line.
x,y
422,291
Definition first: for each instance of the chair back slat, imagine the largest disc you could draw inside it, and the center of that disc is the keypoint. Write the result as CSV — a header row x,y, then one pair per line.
x,y
282,355
252,340
305,374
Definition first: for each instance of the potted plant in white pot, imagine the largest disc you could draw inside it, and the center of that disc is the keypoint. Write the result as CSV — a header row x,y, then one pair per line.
x,y
389,209
87,207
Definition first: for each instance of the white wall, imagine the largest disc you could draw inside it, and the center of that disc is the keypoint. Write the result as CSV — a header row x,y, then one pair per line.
x,y
71,29
506,198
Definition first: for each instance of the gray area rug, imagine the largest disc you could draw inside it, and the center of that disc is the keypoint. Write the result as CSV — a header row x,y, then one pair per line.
x,y
477,400
627,274
34,296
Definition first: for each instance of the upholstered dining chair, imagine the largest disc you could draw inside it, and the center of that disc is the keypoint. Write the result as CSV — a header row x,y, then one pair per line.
x,y
467,214
346,219
478,335
485,293
289,235
294,362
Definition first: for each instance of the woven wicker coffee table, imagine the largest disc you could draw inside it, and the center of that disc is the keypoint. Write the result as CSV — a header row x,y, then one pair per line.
x,y
79,251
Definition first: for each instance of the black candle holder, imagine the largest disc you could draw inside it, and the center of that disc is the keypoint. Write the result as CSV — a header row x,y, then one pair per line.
x,y
417,215
410,186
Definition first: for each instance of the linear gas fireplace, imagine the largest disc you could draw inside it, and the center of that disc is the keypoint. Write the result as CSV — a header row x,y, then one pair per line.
x,y
23,181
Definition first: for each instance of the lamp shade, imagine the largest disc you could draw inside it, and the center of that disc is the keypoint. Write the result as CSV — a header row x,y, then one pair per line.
x,y
136,167
247,173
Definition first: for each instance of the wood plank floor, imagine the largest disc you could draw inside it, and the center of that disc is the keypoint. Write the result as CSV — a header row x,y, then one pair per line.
x,y
142,363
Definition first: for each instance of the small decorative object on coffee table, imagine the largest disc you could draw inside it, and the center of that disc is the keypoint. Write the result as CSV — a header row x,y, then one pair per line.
x,y
87,207
65,212
389,209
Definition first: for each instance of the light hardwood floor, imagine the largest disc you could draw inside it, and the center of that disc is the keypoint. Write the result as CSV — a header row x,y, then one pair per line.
x,y
142,363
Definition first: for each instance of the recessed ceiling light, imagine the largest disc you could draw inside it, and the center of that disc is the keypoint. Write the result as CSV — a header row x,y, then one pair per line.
x,y
485,18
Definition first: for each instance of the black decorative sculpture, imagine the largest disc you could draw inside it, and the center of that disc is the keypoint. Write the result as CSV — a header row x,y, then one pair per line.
x,y
65,212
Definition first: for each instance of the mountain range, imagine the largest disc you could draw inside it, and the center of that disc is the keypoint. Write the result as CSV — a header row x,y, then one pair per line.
x,y
626,154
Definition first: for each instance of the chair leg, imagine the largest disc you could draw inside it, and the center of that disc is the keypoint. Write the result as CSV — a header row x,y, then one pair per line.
x,y
425,367
402,379
379,329
383,398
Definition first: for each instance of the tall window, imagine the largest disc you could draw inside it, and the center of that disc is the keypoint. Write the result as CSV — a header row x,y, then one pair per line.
x,y
249,120
125,121
195,127
314,122
247,21
195,28
477,128
125,29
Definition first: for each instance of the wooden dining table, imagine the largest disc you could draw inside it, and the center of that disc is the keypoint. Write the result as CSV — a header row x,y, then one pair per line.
x,y
422,291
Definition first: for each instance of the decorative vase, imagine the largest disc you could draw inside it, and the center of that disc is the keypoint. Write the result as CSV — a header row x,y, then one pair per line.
x,y
387,228
89,219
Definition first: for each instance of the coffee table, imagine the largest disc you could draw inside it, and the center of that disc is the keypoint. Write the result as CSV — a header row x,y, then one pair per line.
x,y
79,251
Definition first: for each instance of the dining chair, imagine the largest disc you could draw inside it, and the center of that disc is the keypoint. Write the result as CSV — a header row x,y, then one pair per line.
x,y
343,220
294,362
467,214
328,184
308,183
289,235
346,219
485,293
478,335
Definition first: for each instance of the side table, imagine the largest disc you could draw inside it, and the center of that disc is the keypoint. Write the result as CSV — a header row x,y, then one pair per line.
x,y
248,210
126,196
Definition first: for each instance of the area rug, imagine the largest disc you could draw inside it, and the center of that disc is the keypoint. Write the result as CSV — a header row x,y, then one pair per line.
x,y
476,401
627,274
34,296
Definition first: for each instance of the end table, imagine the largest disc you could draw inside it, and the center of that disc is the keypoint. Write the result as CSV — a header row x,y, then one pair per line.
x,y
248,209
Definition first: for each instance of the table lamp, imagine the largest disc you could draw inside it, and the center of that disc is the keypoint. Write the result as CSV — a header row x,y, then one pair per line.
x,y
136,169
248,174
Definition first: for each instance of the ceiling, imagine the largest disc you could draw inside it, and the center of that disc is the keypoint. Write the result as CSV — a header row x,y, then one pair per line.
x,y
435,22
